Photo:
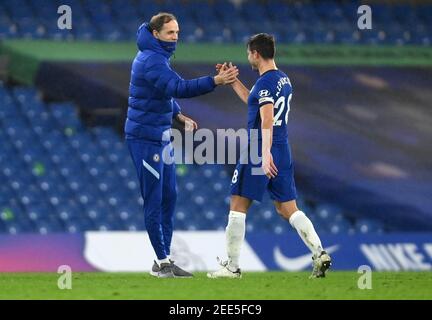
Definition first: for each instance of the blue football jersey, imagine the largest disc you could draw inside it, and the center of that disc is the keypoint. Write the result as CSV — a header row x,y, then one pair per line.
x,y
274,87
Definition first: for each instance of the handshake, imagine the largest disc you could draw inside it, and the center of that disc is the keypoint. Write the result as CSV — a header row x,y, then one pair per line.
x,y
226,74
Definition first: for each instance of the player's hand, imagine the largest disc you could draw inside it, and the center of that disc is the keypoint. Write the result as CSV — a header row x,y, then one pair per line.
x,y
226,74
189,124
220,67
268,166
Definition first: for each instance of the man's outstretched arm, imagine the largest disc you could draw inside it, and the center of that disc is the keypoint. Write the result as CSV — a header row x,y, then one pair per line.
x,y
237,85
241,90
157,72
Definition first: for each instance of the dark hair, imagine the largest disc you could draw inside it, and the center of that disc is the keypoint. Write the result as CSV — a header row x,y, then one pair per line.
x,y
157,21
264,44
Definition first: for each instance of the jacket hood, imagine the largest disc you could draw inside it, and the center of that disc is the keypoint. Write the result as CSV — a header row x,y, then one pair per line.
x,y
146,41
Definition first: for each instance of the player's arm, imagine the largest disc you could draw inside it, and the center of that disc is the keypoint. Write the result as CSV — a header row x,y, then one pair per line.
x,y
266,113
241,90
237,85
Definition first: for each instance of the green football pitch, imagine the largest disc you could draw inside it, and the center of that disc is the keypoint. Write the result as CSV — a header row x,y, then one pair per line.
x,y
253,285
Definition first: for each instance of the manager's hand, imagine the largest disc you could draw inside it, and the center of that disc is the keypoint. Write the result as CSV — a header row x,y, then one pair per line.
x,y
189,124
226,75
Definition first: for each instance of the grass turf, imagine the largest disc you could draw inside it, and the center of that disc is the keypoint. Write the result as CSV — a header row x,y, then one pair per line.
x,y
254,285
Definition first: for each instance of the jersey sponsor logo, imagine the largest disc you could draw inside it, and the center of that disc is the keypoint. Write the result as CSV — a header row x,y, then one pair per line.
x,y
297,263
264,93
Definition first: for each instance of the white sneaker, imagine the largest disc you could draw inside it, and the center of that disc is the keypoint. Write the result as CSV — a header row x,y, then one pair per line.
x,y
224,272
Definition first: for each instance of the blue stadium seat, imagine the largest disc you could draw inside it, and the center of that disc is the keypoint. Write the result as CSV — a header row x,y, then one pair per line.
x,y
219,21
79,225
368,226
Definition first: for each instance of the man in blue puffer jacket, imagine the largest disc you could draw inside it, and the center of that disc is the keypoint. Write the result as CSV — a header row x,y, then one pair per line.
x,y
152,90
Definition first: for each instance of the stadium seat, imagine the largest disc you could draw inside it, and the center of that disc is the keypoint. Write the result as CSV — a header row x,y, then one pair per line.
x,y
220,21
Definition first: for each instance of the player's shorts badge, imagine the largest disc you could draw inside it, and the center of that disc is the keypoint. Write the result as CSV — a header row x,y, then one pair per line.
x,y
156,157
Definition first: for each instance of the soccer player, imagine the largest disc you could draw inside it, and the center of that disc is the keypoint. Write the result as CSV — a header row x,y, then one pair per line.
x,y
268,106
151,108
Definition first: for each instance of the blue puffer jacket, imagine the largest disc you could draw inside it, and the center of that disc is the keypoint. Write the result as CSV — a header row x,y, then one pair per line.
x,y
152,90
